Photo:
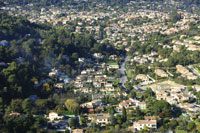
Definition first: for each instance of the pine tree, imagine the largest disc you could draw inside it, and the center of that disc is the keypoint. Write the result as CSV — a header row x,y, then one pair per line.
x,y
124,115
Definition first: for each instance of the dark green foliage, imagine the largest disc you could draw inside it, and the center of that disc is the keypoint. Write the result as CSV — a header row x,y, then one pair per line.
x,y
73,122
139,114
15,28
124,115
175,16
17,79
159,108
24,123
27,105
198,97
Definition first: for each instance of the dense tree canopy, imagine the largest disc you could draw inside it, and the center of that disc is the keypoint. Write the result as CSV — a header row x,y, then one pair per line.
x,y
72,106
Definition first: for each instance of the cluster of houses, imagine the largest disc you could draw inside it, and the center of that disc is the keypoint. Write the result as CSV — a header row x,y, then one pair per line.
x,y
191,44
185,72
103,119
145,58
95,81
96,78
119,28
145,79
176,94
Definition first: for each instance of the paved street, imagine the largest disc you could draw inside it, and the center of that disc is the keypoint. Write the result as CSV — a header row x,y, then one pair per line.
x,y
123,77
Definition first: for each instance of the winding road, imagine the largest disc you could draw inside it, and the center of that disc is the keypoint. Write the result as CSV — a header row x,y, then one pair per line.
x,y
122,70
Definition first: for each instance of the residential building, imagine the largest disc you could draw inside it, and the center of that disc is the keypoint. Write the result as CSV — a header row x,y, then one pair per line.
x,y
100,119
54,116
145,123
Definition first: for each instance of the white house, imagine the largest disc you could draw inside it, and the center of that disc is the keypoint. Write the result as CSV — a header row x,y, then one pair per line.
x,y
142,123
53,116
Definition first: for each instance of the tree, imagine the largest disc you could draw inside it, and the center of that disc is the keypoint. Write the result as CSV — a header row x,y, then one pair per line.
x,y
198,127
111,110
42,105
113,120
198,97
145,128
15,105
27,106
72,106
19,124
73,122
139,114
132,94
182,124
75,56
128,86
175,16
124,115
161,107
148,93
83,120
173,124
191,125
1,105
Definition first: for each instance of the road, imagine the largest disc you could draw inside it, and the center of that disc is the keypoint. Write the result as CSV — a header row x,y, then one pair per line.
x,y
122,70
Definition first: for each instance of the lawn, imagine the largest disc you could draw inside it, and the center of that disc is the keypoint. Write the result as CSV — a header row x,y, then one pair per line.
x,y
197,69
129,73
111,63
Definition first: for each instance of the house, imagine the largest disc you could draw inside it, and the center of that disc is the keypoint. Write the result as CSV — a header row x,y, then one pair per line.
x,y
97,97
142,105
145,123
113,57
142,77
128,103
59,85
161,95
161,73
98,55
99,72
14,114
53,116
84,72
185,72
78,85
83,90
92,103
81,60
3,43
97,84
89,80
54,72
108,85
78,131
100,119
108,90
113,66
